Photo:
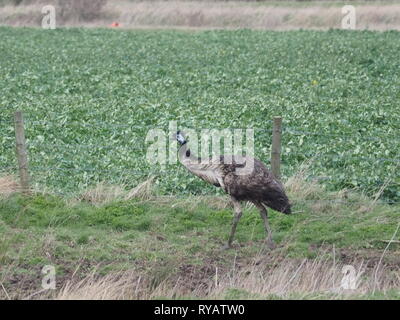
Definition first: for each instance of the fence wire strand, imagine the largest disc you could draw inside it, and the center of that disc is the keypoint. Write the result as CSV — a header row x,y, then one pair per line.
x,y
104,124
285,128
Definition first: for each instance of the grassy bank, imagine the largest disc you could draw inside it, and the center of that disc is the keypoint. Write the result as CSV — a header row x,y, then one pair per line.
x,y
170,247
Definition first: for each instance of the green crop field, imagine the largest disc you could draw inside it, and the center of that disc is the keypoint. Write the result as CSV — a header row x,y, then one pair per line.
x,y
90,97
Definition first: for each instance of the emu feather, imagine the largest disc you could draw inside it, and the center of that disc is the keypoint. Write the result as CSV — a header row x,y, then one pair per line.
x,y
243,178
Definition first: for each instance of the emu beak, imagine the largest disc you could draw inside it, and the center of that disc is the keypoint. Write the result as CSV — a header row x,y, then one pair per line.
x,y
180,138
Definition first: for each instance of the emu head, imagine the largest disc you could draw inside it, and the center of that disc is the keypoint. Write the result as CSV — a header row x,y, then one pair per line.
x,y
180,137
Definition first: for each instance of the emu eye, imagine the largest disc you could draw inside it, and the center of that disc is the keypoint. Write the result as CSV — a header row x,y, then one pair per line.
x,y
187,153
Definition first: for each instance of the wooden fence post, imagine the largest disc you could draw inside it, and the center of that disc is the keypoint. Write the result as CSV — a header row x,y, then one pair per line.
x,y
22,154
276,147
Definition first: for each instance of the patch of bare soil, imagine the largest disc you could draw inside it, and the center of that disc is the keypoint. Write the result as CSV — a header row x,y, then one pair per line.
x,y
391,259
25,281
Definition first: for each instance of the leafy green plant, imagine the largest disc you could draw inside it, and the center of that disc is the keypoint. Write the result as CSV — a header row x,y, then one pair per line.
x,y
90,97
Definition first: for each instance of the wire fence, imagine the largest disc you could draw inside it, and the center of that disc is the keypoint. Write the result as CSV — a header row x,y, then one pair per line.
x,y
199,126
285,129
137,144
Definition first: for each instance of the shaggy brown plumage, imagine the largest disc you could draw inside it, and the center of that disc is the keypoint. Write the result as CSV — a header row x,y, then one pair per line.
x,y
243,178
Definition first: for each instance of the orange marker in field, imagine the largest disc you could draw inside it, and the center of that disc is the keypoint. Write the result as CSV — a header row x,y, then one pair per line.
x,y
115,24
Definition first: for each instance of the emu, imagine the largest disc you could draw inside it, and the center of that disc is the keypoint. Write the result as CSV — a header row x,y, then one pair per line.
x,y
257,185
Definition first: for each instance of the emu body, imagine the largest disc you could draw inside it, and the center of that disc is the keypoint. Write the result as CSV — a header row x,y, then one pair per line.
x,y
244,179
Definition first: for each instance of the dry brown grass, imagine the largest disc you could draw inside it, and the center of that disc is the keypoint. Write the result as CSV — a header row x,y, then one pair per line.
x,y
302,188
80,10
115,286
214,15
249,15
299,186
8,185
265,277
72,12
143,191
104,193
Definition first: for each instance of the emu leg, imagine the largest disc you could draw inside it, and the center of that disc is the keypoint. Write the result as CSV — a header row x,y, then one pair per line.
x,y
238,213
264,216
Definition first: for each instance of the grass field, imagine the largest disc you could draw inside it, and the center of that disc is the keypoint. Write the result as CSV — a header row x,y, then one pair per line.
x,y
170,248
90,97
